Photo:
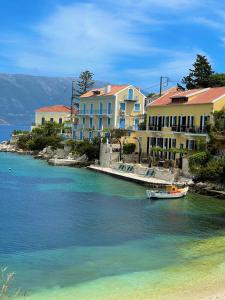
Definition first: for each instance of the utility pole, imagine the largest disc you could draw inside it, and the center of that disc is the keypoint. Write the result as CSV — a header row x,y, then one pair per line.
x,y
161,83
73,97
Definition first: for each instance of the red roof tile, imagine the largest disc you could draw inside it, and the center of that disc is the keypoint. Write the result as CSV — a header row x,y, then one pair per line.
x,y
54,108
195,96
114,89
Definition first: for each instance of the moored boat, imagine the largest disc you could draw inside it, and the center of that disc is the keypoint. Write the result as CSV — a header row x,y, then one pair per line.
x,y
170,192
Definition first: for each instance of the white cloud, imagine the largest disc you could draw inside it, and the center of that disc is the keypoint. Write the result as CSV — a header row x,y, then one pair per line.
x,y
81,36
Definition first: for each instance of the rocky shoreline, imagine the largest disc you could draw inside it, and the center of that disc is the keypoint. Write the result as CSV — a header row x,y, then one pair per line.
x,y
58,157
215,190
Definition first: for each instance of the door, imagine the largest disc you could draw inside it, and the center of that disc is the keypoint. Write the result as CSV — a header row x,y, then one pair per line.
x,y
136,124
130,94
122,123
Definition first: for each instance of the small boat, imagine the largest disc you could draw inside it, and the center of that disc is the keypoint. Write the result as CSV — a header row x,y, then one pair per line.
x,y
171,192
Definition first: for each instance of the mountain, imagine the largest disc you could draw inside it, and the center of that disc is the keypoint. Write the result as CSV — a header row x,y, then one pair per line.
x,y
20,95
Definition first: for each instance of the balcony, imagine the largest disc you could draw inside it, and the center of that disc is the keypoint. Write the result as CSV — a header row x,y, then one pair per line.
x,y
188,129
103,112
131,100
83,113
154,128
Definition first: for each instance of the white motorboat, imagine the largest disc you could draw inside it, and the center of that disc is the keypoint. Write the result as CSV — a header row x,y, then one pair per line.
x,y
171,192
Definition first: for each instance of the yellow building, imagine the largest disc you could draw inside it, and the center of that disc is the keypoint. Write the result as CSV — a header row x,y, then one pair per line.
x,y
56,113
113,106
178,119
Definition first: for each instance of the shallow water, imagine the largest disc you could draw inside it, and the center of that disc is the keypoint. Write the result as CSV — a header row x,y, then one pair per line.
x,y
76,234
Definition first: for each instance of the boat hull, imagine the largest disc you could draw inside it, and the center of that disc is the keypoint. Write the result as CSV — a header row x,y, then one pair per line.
x,y
165,195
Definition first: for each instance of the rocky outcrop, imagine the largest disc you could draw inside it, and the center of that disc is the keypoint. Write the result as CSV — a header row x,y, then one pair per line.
x,y
209,189
79,162
56,157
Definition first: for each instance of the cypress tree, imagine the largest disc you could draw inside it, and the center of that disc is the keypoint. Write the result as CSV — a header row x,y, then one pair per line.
x,y
200,75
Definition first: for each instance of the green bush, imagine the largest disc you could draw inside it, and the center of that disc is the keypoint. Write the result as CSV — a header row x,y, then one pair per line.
x,y
197,160
18,131
41,137
214,170
129,148
90,149
23,140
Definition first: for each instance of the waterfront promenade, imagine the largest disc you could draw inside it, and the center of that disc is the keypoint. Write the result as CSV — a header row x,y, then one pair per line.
x,y
150,181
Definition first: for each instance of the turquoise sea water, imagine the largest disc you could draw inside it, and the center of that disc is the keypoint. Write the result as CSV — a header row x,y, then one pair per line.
x,y
76,234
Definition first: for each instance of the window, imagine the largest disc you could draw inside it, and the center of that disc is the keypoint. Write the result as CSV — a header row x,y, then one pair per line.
x,y
100,124
160,142
190,144
92,109
84,108
109,122
90,135
136,124
130,94
109,108
166,121
122,123
122,106
51,120
174,120
203,121
166,143
91,122
42,121
81,135
83,121
174,142
60,120
137,107
100,108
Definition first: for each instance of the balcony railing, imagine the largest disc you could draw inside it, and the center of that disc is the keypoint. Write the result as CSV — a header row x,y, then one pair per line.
x,y
154,128
181,128
188,129
94,112
131,100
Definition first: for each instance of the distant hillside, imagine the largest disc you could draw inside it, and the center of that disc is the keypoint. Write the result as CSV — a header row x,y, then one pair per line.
x,y
20,95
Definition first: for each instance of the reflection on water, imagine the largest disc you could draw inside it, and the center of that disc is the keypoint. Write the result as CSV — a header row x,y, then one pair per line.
x,y
62,229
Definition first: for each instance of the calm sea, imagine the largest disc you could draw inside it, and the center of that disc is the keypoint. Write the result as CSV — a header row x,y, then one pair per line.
x,y
75,234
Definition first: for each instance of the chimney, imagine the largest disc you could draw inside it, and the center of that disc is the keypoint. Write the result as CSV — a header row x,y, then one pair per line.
x,y
107,88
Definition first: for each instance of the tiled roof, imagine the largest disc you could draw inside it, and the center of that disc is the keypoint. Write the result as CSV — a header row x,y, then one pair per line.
x,y
114,89
54,108
195,96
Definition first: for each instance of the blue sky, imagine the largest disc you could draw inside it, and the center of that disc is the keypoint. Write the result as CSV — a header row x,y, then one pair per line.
x,y
123,41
